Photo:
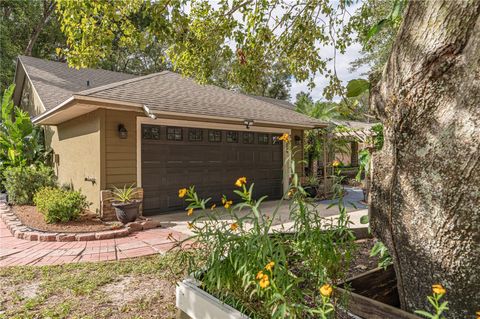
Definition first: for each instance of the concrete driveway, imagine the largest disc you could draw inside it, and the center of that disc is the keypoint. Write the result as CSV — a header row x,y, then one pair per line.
x,y
277,209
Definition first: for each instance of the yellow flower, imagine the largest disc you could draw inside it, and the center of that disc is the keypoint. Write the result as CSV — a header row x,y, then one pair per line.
x,y
223,200
241,181
336,163
182,192
190,211
227,203
326,290
264,282
478,314
213,207
234,226
438,289
270,265
285,137
259,275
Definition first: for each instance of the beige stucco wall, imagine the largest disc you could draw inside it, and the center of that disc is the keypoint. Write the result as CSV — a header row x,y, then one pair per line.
x,y
77,154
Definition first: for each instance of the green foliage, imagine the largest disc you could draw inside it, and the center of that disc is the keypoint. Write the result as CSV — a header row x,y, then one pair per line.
x,y
23,182
384,258
21,143
357,87
58,205
434,300
125,194
245,258
18,25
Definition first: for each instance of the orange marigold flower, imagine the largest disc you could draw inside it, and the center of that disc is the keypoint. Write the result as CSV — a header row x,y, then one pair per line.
x,y
285,137
438,289
182,192
227,203
326,290
270,265
213,207
259,275
336,163
234,226
264,282
241,181
190,211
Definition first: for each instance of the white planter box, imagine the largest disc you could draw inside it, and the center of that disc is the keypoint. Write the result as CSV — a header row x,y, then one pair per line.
x,y
198,304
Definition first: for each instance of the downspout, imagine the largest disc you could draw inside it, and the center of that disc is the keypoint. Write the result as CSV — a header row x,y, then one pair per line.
x,y
148,113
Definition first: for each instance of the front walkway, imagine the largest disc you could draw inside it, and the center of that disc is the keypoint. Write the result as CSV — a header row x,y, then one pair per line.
x,y
15,252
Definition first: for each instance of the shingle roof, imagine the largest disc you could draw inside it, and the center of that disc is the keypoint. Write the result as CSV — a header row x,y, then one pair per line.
x,y
165,91
55,82
170,92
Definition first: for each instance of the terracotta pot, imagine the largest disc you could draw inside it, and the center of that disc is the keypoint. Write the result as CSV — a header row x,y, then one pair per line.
x,y
126,212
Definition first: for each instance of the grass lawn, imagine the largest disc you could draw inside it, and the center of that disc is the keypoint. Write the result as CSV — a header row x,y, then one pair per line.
x,y
136,288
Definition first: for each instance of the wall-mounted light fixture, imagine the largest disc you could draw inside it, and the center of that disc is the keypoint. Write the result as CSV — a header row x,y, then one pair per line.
x,y
298,140
122,131
248,123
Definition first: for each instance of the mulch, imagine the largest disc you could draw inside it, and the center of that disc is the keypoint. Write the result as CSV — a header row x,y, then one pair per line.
x,y
86,223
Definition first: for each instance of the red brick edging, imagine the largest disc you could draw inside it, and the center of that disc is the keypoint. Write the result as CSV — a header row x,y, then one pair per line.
x,y
18,230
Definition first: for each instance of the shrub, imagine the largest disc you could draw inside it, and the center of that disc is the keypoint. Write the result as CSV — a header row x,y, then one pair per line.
x,y
58,205
22,183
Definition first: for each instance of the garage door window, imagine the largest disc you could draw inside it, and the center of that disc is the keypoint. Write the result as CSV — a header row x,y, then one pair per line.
x,y
151,133
194,134
262,138
232,137
214,136
174,134
248,138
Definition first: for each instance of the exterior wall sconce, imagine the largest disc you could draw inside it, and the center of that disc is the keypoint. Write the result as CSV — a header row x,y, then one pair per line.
x,y
122,131
248,123
298,140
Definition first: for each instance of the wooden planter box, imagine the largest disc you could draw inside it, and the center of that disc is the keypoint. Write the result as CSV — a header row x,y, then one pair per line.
x,y
374,295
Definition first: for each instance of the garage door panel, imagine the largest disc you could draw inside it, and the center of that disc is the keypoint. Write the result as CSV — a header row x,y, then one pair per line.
x,y
211,166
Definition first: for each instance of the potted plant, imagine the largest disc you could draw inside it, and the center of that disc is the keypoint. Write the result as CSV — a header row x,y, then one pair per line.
x,y
126,206
311,186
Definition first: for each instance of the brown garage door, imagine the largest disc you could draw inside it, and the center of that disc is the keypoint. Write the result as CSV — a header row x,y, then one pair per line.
x,y
212,160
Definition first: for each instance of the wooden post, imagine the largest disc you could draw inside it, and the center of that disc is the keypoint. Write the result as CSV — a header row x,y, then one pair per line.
x,y
325,160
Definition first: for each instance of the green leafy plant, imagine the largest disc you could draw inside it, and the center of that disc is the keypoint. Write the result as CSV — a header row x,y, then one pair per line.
x,y
384,258
21,143
125,194
245,259
438,308
58,205
22,182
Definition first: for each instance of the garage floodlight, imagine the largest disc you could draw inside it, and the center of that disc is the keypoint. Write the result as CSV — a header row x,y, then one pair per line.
x,y
248,123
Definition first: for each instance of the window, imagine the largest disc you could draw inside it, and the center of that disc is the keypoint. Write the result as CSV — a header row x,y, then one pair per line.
x,y
232,137
275,138
248,137
262,138
214,136
195,134
151,132
174,134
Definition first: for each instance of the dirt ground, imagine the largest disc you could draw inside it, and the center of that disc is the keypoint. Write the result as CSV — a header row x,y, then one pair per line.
x,y
137,288
87,222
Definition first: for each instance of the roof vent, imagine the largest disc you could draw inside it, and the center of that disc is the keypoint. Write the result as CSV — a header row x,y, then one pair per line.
x,y
88,83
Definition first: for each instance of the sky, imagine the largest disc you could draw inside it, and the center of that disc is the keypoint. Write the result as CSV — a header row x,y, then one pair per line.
x,y
343,71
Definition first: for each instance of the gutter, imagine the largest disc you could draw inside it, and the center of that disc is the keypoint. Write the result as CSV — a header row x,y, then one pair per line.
x,y
52,111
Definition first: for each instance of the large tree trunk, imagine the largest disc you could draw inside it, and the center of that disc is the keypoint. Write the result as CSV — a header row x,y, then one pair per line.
x,y
425,197
48,9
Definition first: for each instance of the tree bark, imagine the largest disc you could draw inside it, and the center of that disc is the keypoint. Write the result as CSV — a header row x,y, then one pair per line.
x,y
48,8
425,195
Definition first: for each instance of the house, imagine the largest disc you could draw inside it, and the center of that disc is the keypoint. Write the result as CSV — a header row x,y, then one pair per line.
x,y
160,131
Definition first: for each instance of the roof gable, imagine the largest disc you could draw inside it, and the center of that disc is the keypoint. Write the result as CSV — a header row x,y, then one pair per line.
x,y
56,82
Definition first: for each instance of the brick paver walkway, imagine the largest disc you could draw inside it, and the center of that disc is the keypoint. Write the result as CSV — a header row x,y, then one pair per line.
x,y
14,251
